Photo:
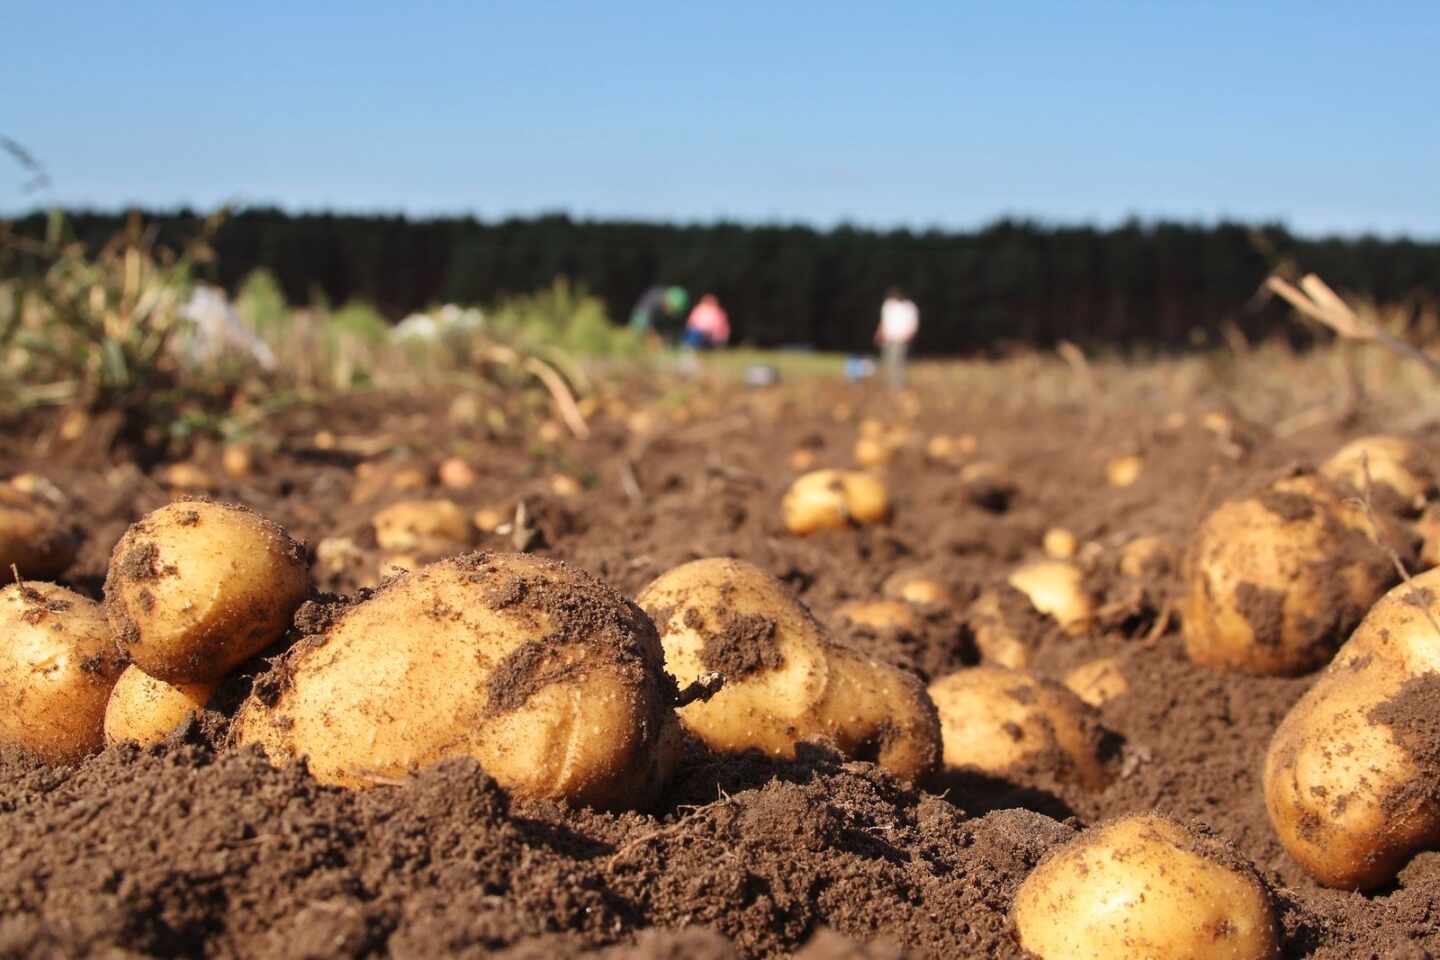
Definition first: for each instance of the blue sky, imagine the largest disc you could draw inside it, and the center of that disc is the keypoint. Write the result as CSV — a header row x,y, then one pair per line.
x,y
1323,115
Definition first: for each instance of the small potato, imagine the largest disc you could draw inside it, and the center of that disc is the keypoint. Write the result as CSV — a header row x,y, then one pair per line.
x,y
1142,887
1008,722
197,587
1005,626
456,474
1274,581
879,615
1124,471
833,499
802,459
33,538
546,676
145,710
1427,530
918,588
785,681
1145,557
186,476
1060,544
57,666
1351,774
237,460
873,451
435,527
1099,681
1393,462
1057,588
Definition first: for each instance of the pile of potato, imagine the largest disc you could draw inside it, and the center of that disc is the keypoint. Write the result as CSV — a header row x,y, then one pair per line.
x,y
562,688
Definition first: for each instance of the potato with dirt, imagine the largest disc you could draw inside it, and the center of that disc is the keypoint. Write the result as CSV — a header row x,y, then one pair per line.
x,y
198,587
1144,886
144,710
1352,775
33,537
833,500
1014,724
785,680
1037,600
58,664
546,676
1275,581
1399,470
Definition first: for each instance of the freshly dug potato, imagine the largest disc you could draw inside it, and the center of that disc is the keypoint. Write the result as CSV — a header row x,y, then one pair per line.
x,y
873,451
33,538
196,587
1427,529
1001,722
918,588
1124,471
1099,681
1143,887
1394,462
832,499
1353,771
1274,581
57,666
1057,588
424,526
1060,544
785,681
879,615
145,710
1146,556
546,676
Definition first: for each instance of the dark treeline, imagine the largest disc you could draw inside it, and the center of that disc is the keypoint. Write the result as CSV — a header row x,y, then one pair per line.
x,y
1139,285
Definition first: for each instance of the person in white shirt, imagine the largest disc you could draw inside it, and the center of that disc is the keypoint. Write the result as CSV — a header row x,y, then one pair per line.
x,y
899,322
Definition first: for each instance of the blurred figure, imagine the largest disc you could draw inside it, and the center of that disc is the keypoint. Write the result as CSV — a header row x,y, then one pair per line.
x,y
708,325
659,309
899,322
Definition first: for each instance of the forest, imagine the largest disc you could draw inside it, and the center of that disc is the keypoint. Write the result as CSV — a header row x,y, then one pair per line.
x,y
1137,286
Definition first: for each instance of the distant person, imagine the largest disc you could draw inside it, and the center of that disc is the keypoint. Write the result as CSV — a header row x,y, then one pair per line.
x,y
660,309
708,325
899,322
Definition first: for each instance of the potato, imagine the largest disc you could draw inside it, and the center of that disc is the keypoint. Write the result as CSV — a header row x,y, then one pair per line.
x,y
197,587
1144,886
57,666
1427,530
1145,557
873,451
1004,722
879,615
456,474
546,676
1274,581
1124,471
435,527
1099,681
1057,588
1394,462
33,538
1060,544
918,588
1352,772
785,681
145,710
832,499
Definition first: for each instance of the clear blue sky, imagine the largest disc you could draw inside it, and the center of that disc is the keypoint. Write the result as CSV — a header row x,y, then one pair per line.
x,y
1323,115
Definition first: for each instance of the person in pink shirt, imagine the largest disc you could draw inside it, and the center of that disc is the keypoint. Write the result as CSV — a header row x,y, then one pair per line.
x,y
708,325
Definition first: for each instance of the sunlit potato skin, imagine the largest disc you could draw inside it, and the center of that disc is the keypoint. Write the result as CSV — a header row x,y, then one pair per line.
x,y
144,710
1057,588
999,721
833,500
1351,775
1097,682
1144,887
57,666
1275,581
198,587
546,676
785,680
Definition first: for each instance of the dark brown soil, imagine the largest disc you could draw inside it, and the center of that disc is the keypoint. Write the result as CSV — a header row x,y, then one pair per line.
x,y
195,849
